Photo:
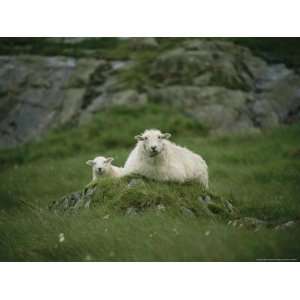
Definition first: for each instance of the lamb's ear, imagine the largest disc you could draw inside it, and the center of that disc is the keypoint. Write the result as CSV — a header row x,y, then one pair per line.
x,y
90,162
167,135
139,137
109,160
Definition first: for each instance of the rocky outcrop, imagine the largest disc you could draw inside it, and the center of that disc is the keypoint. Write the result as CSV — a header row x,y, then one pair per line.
x,y
208,63
225,87
220,84
38,93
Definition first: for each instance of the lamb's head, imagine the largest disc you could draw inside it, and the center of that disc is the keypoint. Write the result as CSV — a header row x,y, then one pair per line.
x,y
100,165
153,141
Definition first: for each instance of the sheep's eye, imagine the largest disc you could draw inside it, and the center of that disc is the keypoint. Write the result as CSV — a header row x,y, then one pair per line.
x,y
160,137
145,138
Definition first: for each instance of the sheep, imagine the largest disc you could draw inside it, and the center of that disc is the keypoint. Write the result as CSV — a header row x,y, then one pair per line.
x,y
101,166
155,157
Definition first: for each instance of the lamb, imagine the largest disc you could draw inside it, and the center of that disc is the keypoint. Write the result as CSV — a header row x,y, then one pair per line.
x,y
101,166
155,157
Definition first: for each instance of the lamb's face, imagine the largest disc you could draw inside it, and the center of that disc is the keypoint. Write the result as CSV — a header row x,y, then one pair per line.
x,y
100,164
153,141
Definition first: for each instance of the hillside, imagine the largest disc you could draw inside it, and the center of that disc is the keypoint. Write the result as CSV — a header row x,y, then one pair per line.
x,y
257,172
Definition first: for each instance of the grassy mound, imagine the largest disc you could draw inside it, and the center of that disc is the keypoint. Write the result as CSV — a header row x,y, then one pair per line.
x,y
132,196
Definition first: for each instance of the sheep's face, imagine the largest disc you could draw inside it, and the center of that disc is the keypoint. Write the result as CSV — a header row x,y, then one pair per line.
x,y
153,141
100,164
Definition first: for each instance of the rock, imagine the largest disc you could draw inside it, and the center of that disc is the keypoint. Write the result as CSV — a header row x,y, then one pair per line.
x,y
85,71
250,223
128,98
218,108
73,100
131,211
205,200
257,224
277,97
74,201
287,225
217,205
135,182
38,93
187,212
208,63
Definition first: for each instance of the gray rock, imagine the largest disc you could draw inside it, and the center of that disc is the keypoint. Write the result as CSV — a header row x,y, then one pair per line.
x,y
39,93
74,201
212,63
187,212
131,211
287,225
135,182
218,108
250,223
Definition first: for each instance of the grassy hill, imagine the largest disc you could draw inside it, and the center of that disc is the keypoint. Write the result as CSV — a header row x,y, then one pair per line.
x,y
259,173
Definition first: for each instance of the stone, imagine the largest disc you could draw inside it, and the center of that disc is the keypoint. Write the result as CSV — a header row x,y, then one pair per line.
x,y
250,223
289,224
131,211
73,100
218,108
208,63
187,212
38,93
135,182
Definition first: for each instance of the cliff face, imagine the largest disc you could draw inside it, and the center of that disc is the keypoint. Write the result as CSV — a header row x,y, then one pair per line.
x,y
220,84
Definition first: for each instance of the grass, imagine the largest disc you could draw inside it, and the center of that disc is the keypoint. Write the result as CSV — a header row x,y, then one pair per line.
x,y
260,173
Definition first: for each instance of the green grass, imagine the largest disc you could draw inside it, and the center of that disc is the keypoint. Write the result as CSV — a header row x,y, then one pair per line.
x,y
260,173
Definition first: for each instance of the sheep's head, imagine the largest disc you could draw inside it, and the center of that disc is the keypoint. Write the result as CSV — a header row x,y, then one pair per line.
x,y
101,165
153,141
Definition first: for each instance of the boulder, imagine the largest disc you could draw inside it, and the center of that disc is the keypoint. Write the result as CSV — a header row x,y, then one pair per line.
x,y
218,108
208,63
38,93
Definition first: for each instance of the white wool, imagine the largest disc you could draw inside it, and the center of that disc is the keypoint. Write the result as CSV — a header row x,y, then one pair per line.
x,y
101,166
157,158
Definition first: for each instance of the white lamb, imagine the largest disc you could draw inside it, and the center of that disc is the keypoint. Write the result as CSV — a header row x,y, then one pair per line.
x,y
157,158
101,166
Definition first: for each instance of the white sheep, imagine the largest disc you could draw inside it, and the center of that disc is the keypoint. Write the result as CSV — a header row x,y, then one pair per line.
x,y
101,166
155,157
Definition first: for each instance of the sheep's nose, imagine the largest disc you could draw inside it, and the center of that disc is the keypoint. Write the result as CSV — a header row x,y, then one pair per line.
x,y
153,148
99,169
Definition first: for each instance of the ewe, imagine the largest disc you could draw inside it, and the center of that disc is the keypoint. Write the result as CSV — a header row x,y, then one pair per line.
x,y
102,166
157,158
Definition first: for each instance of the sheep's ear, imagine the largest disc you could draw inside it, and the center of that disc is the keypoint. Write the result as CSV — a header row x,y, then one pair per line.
x,y
90,163
167,135
139,137
109,160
